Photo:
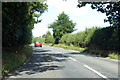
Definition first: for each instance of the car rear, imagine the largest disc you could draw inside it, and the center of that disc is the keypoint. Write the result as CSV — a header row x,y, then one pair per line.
x,y
38,44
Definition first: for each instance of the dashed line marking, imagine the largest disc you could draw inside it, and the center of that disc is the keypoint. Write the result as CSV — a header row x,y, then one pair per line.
x,y
99,74
90,69
58,52
72,58
96,72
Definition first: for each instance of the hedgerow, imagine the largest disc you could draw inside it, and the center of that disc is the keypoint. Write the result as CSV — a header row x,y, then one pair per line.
x,y
97,38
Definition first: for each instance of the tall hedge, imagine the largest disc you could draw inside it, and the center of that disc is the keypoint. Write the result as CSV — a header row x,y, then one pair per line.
x,y
18,19
107,38
81,39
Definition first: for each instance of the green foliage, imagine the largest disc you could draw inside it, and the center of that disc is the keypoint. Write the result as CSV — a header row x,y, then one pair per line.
x,y
34,39
81,39
97,52
65,39
12,59
106,38
43,36
88,35
114,56
70,47
62,26
49,38
96,39
49,44
18,19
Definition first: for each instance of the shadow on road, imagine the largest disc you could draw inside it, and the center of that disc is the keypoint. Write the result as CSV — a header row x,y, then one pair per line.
x,y
86,54
39,50
41,62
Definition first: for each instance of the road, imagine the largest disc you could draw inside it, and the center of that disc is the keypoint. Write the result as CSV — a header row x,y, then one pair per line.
x,y
53,62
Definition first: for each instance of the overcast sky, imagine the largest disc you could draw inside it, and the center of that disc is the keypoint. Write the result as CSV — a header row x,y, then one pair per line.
x,y
83,17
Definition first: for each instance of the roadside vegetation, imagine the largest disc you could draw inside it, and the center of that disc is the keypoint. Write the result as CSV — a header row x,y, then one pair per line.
x,y
69,47
89,41
98,41
94,41
62,26
15,57
18,20
114,56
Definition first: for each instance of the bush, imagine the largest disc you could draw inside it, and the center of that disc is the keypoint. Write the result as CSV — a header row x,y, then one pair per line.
x,y
114,56
49,38
80,39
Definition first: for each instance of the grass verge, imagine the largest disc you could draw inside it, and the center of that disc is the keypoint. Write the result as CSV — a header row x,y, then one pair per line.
x,y
71,47
114,56
104,53
97,52
14,57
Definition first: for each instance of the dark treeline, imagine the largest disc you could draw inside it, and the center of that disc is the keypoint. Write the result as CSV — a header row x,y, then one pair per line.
x,y
106,39
18,19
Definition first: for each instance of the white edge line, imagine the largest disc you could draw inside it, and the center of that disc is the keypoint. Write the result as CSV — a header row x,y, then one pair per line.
x,y
95,71
72,59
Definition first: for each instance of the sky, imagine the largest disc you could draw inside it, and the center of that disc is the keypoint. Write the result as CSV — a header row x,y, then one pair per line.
x,y
84,17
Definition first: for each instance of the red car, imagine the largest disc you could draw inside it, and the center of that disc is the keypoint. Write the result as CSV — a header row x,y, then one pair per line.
x,y
38,43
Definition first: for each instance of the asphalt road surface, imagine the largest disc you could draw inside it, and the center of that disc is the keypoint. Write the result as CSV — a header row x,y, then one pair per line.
x,y
53,62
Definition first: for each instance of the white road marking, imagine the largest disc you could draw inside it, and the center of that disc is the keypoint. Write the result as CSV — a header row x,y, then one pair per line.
x,y
74,51
96,72
58,52
92,70
72,58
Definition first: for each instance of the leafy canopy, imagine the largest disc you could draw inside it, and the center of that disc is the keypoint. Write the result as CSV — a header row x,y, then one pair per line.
x,y
18,19
62,26
49,38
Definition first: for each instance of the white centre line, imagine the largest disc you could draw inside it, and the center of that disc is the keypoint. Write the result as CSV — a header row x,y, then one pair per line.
x,y
72,58
90,69
96,72
58,52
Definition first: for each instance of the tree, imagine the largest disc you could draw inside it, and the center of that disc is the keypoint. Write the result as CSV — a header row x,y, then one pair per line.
x,y
43,36
18,19
62,26
34,39
111,9
49,38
